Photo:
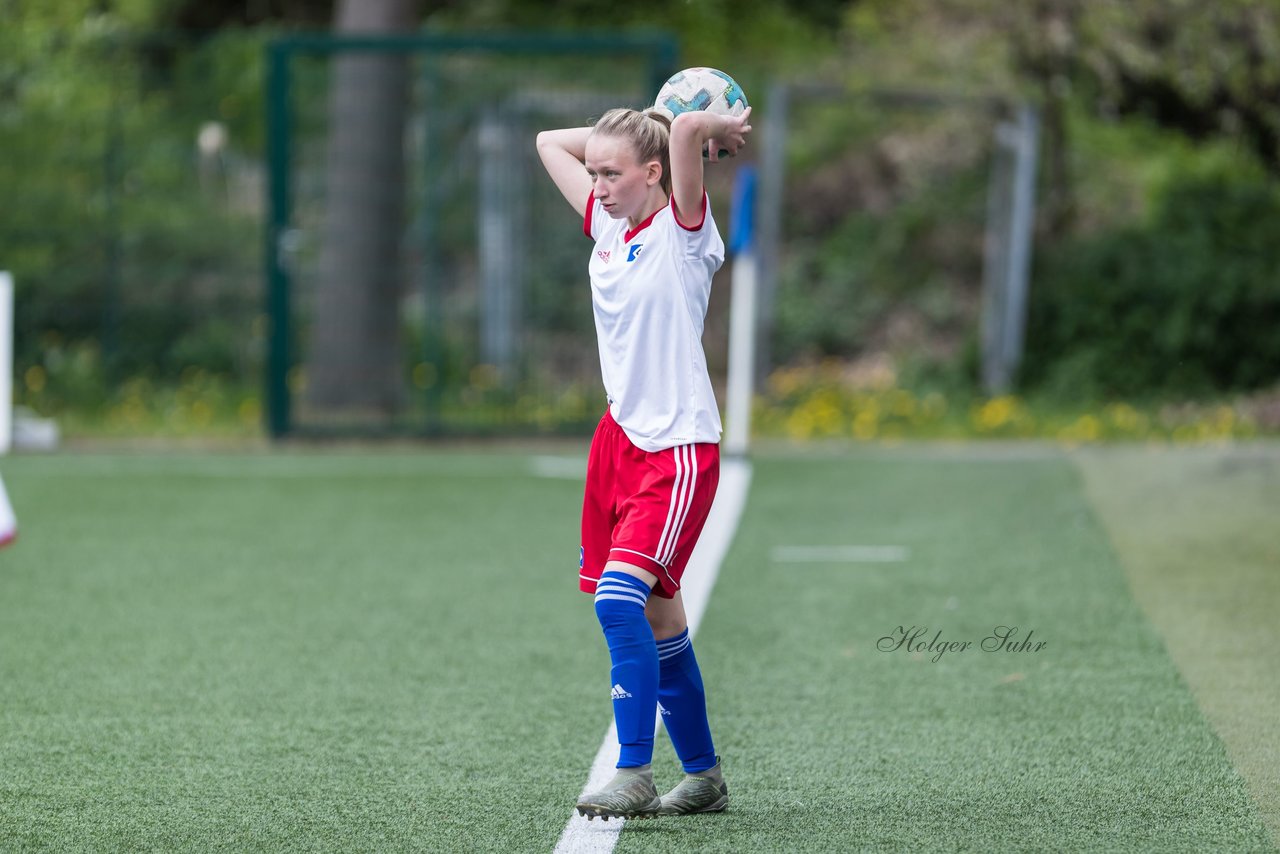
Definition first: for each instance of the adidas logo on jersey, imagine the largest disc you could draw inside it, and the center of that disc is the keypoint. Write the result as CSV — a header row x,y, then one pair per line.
x,y
619,693
662,710
604,255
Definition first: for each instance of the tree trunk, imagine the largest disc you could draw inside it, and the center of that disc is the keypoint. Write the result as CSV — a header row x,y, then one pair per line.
x,y
353,364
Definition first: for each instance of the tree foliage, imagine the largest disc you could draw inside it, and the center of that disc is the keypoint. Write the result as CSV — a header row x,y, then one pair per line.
x,y
1204,69
123,249
1185,303
1126,286
118,238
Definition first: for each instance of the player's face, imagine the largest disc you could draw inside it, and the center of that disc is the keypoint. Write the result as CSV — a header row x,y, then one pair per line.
x,y
622,184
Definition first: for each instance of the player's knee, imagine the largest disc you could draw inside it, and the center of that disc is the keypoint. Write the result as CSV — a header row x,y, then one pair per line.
x,y
620,597
666,625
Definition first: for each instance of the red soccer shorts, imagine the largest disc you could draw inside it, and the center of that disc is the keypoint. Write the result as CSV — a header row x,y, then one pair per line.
x,y
645,509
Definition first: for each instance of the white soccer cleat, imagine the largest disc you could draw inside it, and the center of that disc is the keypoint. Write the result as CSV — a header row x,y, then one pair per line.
x,y
704,791
630,794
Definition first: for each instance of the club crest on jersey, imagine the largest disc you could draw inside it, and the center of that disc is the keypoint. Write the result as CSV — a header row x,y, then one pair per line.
x,y
634,251
603,255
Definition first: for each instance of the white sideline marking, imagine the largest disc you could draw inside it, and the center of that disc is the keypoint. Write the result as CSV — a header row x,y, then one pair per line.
x,y
839,554
598,837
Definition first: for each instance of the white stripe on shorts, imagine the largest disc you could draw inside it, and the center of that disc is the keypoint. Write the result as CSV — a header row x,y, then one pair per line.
x,y
634,552
688,504
681,500
671,508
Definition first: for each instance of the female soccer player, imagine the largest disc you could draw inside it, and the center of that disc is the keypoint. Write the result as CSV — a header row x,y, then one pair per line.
x,y
654,461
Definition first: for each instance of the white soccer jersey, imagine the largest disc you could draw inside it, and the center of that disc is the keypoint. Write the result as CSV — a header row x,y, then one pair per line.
x,y
649,289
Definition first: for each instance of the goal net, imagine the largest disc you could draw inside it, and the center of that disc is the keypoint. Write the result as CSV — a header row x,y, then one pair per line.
x,y
426,278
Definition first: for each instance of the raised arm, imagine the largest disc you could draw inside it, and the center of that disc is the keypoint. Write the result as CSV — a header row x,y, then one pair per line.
x,y
690,133
562,152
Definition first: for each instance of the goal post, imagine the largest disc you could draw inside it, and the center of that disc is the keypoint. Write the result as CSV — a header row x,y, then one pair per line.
x,y
454,316
962,169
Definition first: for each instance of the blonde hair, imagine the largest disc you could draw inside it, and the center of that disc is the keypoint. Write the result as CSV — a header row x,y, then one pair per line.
x,y
649,133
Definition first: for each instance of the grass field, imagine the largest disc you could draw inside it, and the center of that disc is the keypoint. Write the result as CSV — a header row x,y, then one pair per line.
x,y
386,651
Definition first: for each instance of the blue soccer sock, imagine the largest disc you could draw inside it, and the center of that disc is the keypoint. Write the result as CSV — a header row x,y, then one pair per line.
x,y
620,601
684,703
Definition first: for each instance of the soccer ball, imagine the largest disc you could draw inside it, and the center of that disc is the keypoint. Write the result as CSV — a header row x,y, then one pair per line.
x,y
700,89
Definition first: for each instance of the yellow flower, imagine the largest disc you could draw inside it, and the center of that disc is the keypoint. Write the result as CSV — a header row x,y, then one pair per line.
x,y
865,425
1126,419
1086,428
902,403
800,424
1226,419
997,412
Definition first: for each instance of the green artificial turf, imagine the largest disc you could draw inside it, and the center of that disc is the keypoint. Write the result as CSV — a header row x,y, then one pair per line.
x,y
1198,532
829,744
293,653
379,652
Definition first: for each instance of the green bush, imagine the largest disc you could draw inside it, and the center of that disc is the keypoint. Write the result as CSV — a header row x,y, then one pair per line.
x,y
1186,304
846,274
130,260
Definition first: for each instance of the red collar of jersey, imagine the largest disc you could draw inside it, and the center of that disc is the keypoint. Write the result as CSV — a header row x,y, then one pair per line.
x,y
631,233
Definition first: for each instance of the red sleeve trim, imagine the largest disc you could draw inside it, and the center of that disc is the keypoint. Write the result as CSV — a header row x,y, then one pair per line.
x,y
586,220
702,216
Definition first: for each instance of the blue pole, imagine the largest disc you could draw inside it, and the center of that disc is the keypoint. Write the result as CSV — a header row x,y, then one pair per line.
x,y
742,211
